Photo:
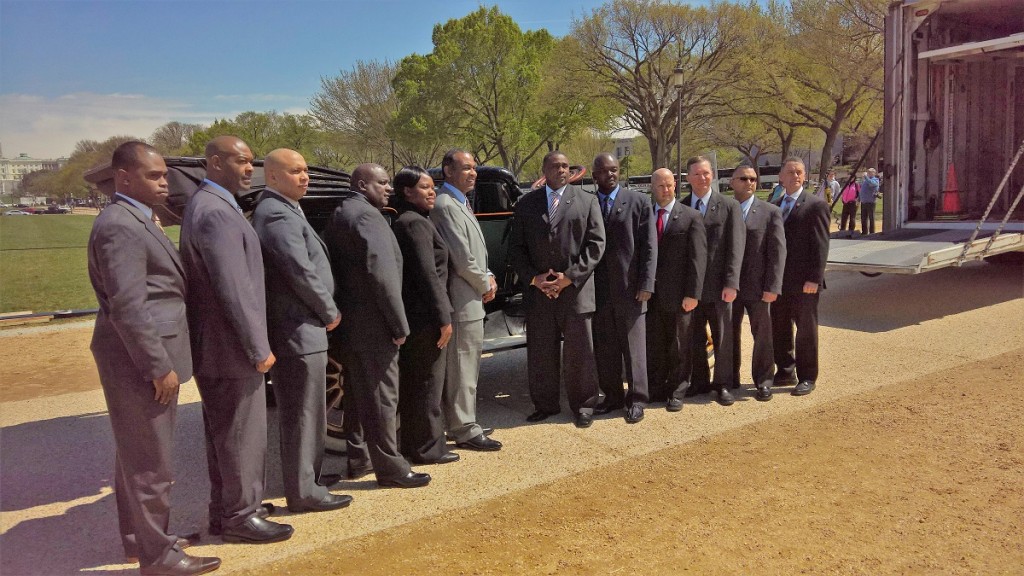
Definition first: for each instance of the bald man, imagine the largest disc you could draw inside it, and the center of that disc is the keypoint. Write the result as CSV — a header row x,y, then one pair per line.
x,y
227,316
300,312
367,265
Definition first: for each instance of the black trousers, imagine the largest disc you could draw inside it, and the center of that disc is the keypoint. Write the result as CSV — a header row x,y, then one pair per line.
x,y
620,334
762,359
717,315
867,217
548,360
848,220
299,382
669,354
421,367
797,357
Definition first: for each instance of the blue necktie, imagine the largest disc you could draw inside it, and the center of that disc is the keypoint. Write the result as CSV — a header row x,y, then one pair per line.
x,y
787,207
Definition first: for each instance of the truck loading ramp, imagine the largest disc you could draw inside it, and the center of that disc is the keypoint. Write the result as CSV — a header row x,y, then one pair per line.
x,y
914,250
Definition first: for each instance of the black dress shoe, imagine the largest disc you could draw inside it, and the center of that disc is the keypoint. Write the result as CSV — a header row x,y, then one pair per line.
x,y
804,388
634,414
263,511
539,415
356,471
764,393
410,480
584,420
480,443
487,431
725,398
784,380
446,458
182,542
188,566
605,406
330,502
674,405
329,479
256,530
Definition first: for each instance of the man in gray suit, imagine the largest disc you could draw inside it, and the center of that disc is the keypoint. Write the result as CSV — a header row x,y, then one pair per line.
x,y
623,282
141,348
367,265
764,258
723,224
556,242
227,315
469,286
300,312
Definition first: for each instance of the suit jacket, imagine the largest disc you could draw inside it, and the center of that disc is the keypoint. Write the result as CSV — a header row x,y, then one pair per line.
x,y
367,265
682,258
467,255
806,242
630,259
424,271
572,242
300,286
227,310
141,330
764,256
723,224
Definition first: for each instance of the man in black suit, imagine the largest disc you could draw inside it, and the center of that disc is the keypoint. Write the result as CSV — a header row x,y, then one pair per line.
x,y
623,283
807,219
682,258
227,315
723,224
300,312
141,348
760,279
556,242
367,265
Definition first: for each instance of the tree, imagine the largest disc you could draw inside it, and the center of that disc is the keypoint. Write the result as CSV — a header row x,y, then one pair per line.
x,y
632,47
172,138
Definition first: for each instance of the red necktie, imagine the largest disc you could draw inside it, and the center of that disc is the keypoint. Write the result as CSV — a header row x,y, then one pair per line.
x,y
661,223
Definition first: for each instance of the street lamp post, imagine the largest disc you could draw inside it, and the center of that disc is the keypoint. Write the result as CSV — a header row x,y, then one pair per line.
x,y
677,82
392,157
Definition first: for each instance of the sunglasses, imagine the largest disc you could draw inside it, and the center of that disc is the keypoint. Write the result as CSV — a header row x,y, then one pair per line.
x,y
747,178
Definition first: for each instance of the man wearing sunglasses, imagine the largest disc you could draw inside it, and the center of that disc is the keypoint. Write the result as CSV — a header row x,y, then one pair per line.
x,y
764,258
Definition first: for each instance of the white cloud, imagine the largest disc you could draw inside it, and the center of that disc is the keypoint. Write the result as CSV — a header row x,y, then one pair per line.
x,y
45,127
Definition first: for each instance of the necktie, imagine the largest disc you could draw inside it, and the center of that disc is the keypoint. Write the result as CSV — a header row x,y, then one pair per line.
x,y
787,207
660,224
469,201
553,205
606,206
702,206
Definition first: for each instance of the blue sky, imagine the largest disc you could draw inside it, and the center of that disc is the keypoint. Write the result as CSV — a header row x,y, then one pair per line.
x,y
79,69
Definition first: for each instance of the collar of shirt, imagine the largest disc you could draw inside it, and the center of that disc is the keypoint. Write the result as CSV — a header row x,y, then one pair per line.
x,y
668,207
746,206
223,192
696,199
286,199
558,192
609,196
455,192
142,207
795,195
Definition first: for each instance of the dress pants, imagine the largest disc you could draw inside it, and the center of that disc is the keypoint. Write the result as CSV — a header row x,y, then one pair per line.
x,y
669,354
801,310
718,315
299,387
371,409
546,320
143,437
620,339
235,421
462,370
762,360
421,367
867,217
848,220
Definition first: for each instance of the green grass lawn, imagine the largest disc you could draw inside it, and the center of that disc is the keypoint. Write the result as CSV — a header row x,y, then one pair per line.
x,y
44,262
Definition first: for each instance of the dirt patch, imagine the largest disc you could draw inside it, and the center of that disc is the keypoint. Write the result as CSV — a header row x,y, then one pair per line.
x,y
925,477
37,364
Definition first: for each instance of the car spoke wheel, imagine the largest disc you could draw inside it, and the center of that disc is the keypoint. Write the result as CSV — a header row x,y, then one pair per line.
x,y
335,440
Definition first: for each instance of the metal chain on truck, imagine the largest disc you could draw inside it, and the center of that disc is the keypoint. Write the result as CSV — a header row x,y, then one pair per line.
x,y
991,204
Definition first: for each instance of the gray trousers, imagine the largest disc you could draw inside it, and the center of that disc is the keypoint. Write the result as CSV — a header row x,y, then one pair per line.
x,y
762,358
717,315
143,435
462,370
620,338
299,387
235,421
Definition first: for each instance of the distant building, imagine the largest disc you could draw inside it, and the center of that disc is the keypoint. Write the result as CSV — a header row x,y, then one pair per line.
x,y
623,148
12,170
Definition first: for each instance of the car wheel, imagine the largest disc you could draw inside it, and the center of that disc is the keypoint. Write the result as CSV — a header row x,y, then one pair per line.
x,y
335,439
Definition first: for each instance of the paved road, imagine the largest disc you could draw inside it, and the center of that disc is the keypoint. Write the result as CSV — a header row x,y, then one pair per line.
x,y
58,512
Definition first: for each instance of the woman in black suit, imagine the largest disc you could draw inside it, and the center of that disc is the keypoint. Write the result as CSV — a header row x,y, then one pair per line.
x,y
421,362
